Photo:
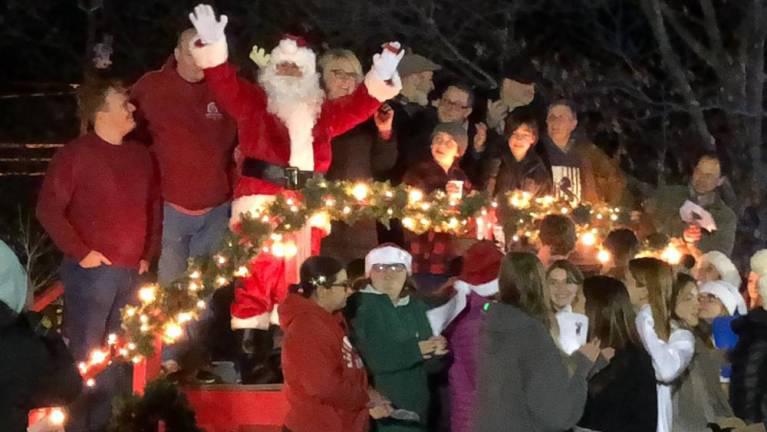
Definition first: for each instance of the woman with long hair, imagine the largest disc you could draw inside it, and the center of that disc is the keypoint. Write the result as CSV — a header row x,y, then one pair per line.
x,y
523,383
698,396
325,380
622,395
668,343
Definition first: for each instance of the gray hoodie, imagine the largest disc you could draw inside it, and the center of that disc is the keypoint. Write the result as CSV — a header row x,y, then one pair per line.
x,y
523,384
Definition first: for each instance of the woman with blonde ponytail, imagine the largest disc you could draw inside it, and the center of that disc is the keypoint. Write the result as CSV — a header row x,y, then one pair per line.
x,y
668,343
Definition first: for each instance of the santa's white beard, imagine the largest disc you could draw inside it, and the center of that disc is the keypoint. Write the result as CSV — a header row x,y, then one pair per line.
x,y
297,102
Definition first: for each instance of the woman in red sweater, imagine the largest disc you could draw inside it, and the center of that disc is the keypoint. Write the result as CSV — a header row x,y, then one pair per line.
x,y
325,380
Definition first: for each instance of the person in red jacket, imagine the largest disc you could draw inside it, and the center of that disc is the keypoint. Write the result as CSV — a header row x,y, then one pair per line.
x,y
285,125
100,205
326,383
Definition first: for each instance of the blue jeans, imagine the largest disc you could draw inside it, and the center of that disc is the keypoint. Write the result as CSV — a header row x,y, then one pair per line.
x,y
92,302
185,236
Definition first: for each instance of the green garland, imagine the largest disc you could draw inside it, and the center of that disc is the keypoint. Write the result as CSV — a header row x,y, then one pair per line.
x,y
164,310
162,401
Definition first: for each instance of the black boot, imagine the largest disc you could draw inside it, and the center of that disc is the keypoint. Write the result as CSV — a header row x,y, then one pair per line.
x,y
255,349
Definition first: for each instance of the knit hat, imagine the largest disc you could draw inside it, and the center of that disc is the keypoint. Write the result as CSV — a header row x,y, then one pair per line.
x,y
414,63
520,69
455,130
727,294
481,264
726,269
13,280
388,253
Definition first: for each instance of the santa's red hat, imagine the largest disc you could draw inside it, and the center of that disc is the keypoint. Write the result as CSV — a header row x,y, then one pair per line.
x,y
481,265
294,49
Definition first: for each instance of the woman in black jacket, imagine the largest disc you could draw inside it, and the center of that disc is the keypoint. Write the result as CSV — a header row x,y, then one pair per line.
x,y
748,385
622,395
36,369
518,166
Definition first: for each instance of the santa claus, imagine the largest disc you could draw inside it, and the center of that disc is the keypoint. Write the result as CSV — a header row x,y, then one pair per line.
x,y
285,125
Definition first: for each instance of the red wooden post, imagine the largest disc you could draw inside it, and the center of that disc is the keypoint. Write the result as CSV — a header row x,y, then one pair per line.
x,y
147,369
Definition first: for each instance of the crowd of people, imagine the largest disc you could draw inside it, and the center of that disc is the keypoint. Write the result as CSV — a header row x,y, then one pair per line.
x,y
381,327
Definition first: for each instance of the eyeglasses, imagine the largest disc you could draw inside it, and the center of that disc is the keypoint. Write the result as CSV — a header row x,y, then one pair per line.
x,y
343,75
347,284
389,267
452,104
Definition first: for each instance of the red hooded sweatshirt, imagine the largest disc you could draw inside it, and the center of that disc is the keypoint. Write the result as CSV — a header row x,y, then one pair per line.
x,y
325,380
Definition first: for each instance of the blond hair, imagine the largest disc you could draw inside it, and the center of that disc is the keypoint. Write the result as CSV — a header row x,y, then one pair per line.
x,y
336,55
658,277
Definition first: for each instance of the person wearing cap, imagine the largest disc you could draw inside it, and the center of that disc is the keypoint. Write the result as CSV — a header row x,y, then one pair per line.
x,y
285,124
390,328
433,251
748,385
517,90
460,320
417,73
36,368
757,278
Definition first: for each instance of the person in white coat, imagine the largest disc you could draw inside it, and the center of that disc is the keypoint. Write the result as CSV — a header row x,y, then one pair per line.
x,y
670,346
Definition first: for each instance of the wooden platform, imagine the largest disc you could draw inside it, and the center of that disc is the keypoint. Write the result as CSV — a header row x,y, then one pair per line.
x,y
238,408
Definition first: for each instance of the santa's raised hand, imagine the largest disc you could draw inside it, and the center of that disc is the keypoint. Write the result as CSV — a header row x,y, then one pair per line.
x,y
385,63
209,48
209,29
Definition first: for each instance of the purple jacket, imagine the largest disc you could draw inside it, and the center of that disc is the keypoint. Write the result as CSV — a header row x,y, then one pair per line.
x,y
463,340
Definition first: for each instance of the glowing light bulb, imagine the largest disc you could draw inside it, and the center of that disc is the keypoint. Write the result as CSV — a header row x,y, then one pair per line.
x,y
173,331
184,317
291,249
671,255
221,281
220,260
415,196
278,249
195,274
565,210
194,286
90,382
111,339
408,223
242,271
131,346
98,356
57,417
347,210
201,305
360,191
603,256
147,294
588,238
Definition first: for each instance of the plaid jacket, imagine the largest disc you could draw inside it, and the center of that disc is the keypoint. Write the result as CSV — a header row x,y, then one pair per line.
x,y
432,251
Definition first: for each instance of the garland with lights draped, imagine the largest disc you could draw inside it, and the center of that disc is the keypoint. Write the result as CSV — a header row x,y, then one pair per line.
x,y
164,311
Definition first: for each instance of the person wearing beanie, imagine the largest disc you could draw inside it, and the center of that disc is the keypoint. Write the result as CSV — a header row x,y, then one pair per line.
x,y
37,368
390,328
460,320
757,278
715,265
433,251
720,304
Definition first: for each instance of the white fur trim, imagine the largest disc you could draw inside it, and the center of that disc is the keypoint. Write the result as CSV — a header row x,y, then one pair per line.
x,y
762,286
382,90
726,269
248,204
388,255
485,290
759,262
210,55
287,51
441,317
727,294
260,322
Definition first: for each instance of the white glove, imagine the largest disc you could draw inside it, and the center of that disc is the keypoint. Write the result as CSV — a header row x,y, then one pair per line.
x,y
385,64
209,29
259,56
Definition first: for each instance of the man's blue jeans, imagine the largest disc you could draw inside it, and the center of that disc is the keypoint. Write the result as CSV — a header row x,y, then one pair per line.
x,y
185,236
92,302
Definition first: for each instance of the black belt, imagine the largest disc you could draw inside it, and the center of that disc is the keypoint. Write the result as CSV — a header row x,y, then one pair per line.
x,y
288,177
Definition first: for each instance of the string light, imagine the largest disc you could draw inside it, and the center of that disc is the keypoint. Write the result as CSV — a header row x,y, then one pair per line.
x,y
360,191
603,256
588,239
671,255
147,294
173,331
195,274
57,417
414,196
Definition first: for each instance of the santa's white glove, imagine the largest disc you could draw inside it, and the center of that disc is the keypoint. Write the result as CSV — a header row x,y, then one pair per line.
x,y
209,29
259,56
385,64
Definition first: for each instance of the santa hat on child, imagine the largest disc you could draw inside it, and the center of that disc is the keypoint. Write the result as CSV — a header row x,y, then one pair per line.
x,y
481,265
388,253
727,294
726,269
294,49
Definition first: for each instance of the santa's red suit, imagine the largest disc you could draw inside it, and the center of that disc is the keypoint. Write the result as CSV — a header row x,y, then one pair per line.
x,y
283,122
